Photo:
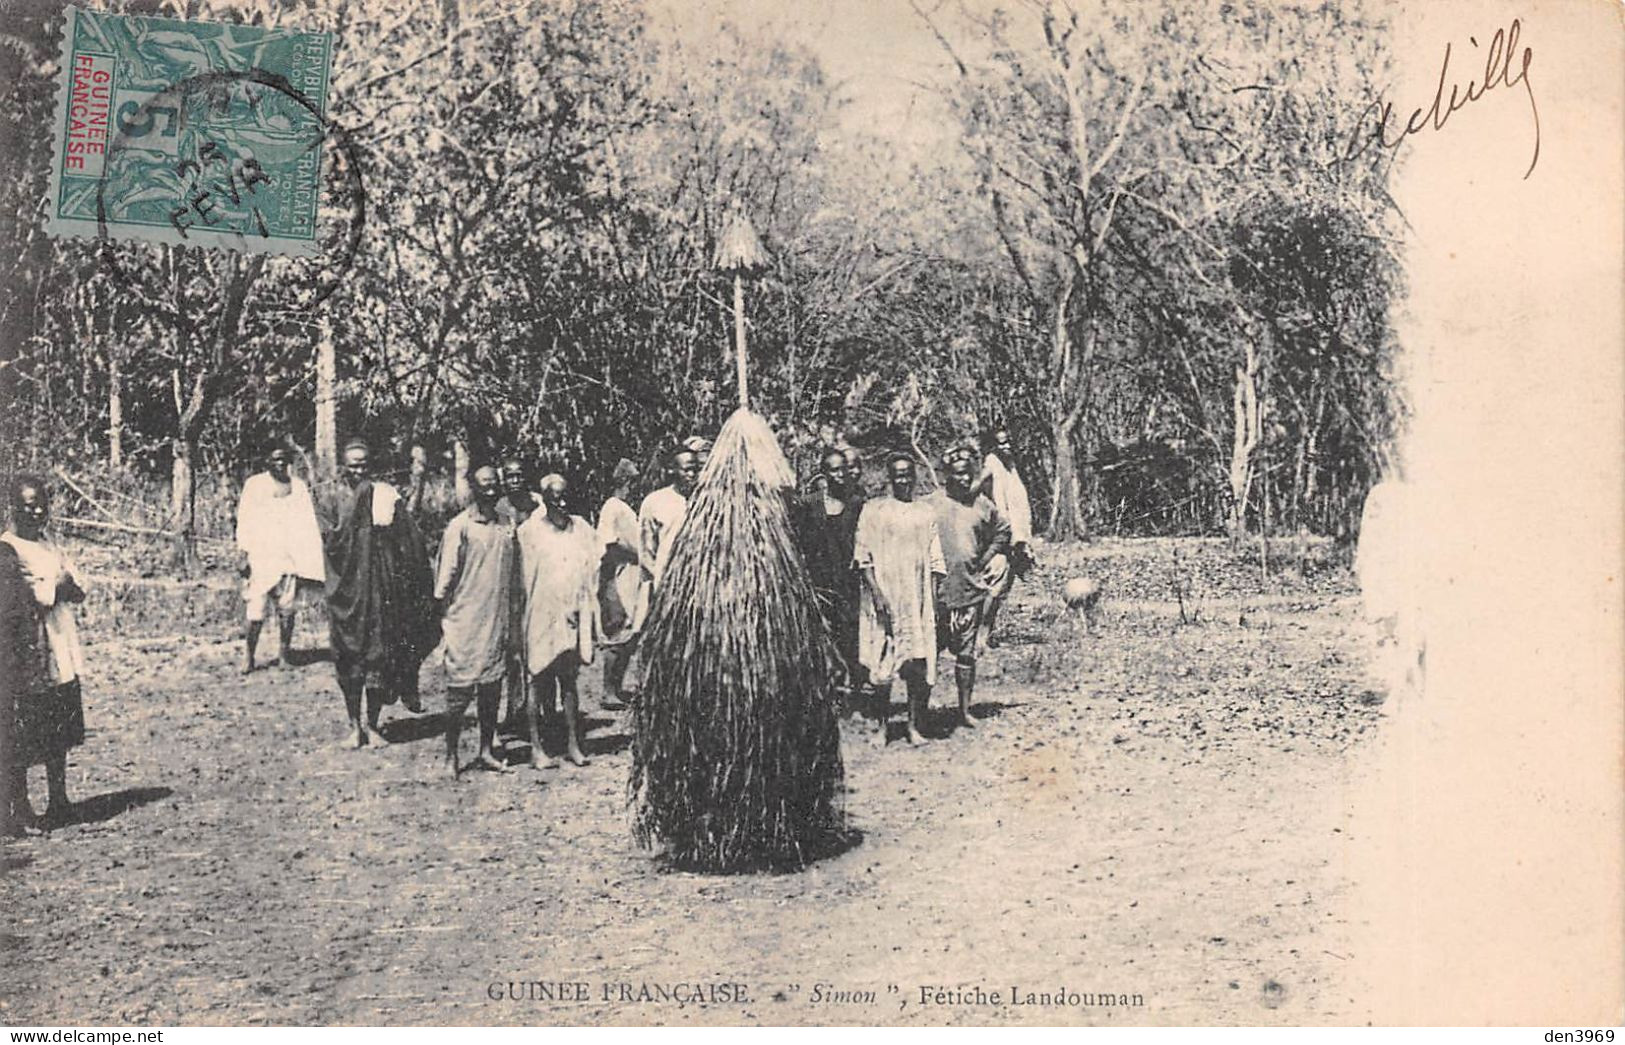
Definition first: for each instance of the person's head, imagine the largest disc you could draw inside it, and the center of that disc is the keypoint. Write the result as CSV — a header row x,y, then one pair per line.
x,y
998,442
700,447
486,486
900,476
512,477
554,492
685,470
836,473
278,460
357,462
30,506
961,474
625,474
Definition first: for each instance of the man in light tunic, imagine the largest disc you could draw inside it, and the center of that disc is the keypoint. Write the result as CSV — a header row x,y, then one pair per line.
x,y
1002,484
659,518
474,586
619,578
899,556
559,557
281,544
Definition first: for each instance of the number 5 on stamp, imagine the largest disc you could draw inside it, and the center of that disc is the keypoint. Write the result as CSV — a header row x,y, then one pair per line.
x,y
190,133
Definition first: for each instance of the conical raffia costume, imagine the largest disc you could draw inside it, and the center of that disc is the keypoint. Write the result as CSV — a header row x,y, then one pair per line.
x,y
736,753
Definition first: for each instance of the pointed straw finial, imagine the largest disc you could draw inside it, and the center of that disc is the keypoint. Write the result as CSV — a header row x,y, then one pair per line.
x,y
740,249
740,252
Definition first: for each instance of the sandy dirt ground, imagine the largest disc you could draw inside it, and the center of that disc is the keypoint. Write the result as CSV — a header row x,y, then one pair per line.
x,y
1156,809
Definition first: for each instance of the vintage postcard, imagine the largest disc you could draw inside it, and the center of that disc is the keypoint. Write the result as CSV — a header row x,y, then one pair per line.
x,y
910,513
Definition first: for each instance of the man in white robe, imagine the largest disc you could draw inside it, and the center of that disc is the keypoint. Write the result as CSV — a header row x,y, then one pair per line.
x,y
281,544
899,555
659,518
559,556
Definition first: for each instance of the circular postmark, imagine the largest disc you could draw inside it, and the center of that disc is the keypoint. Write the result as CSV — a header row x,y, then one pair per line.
x,y
216,189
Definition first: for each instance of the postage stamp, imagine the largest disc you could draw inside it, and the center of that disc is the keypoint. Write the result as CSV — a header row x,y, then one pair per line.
x,y
190,133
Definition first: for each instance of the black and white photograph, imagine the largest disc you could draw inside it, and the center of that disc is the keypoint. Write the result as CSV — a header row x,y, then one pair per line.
x,y
902,513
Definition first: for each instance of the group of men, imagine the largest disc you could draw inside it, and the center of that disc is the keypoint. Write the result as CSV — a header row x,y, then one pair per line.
x,y
521,593
519,596
902,577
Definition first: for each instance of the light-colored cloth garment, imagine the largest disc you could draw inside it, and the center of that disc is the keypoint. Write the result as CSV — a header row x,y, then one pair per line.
x,y
970,532
1009,496
619,536
898,540
277,530
558,574
44,566
474,583
384,499
659,518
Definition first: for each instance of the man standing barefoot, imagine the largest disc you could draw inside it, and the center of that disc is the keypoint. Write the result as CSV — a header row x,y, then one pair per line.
x,y
619,578
1002,484
282,549
558,559
900,558
380,608
826,526
474,586
974,539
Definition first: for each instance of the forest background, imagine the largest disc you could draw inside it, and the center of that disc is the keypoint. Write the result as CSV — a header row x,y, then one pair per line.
x,y
1148,241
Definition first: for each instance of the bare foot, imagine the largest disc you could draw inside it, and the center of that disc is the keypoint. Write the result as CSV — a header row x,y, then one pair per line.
x,y
966,722
248,667
914,736
413,704
375,737
353,742
576,758
540,763
489,762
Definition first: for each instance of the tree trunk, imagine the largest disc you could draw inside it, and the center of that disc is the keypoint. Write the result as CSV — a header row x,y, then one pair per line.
x,y
1066,489
115,410
327,449
459,470
183,500
418,474
1246,434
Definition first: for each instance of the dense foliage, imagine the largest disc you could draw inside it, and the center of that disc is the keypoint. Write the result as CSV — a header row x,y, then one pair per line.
x,y
1138,245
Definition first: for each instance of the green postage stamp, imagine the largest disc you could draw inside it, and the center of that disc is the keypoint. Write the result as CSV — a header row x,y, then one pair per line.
x,y
190,133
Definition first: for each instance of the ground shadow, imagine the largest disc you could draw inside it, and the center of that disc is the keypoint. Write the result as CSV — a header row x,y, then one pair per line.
x,y
298,658
106,807
826,846
1019,638
605,744
415,728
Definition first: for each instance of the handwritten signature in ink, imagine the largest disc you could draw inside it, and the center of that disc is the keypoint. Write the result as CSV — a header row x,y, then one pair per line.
x,y
1504,66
